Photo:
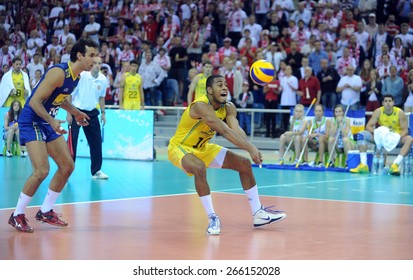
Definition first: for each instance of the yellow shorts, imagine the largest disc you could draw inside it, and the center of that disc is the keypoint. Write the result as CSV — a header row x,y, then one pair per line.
x,y
207,154
132,105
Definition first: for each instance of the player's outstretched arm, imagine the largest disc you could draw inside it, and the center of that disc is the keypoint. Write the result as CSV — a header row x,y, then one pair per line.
x,y
207,114
232,120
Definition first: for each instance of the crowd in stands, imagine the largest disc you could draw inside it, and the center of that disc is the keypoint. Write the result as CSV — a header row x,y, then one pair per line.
x,y
340,52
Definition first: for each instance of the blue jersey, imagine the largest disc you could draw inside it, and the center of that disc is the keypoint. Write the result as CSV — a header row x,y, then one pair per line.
x,y
51,104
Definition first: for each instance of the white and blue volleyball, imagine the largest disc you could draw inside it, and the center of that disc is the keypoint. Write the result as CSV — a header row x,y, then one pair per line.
x,y
262,72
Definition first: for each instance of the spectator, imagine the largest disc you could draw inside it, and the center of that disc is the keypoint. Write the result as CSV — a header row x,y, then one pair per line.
x,y
92,29
289,87
309,88
345,61
372,28
316,56
349,86
328,78
408,105
274,54
378,41
35,65
179,57
294,57
272,93
152,75
245,100
384,69
372,96
393,85
235,23
254,27
59,23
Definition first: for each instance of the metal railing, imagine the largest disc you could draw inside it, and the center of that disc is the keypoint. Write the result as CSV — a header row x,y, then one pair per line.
x,y
179,110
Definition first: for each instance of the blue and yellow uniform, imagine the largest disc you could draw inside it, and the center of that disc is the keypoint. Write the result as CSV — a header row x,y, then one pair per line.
x,y
192,137
391,121
33,127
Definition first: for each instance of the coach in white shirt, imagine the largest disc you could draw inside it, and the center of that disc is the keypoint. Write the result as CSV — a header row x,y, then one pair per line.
x,y
90,92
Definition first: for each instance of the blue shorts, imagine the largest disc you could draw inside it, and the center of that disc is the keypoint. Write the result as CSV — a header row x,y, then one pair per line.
x,y
36,131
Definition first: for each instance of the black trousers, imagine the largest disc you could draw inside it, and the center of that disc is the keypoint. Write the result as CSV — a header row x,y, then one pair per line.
x,y
94,139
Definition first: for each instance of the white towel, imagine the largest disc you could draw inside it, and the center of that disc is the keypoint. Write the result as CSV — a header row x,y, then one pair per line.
x,y
384,138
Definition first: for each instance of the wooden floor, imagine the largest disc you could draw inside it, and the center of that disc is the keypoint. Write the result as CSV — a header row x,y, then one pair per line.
x,y
149,211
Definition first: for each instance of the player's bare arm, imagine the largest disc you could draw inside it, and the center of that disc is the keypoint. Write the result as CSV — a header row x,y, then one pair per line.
x,y
121,87
206,112
371,125
191,90
403,124
232,120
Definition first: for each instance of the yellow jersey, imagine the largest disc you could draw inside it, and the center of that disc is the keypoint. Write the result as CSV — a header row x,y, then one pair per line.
x,y
391,121
131,92
200,89
18,82
194,133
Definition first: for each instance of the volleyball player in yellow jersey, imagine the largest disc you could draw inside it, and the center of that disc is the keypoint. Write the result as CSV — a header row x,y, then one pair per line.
x,y
16,84
198,84
130,89
393,118
190,150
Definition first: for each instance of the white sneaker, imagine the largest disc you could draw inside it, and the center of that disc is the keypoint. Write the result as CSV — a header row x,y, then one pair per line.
x,y
311,164
23,154
8,154
214,226
266,216
100,175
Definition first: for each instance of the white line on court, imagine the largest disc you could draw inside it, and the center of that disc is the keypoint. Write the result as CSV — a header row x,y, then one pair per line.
x,y
303,183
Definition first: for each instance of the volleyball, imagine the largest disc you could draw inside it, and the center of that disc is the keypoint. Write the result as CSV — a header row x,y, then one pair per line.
x,y
262,72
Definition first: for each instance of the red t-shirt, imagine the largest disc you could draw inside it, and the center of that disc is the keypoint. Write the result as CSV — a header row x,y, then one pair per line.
x,y
313,86
273,89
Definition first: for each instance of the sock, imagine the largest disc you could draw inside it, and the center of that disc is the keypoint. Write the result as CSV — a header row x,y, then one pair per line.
x,y
399,159
49,200
253,199
22,203
363,158
207,203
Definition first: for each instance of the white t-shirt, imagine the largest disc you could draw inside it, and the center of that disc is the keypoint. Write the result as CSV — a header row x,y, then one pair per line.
x,y
288,95
93,27
348,95
89,90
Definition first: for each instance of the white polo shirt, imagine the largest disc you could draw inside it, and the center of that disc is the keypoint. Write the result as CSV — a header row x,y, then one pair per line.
x,y
87,93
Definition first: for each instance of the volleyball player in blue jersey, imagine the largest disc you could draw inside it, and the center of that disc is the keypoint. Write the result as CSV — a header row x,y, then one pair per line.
x,y
41,133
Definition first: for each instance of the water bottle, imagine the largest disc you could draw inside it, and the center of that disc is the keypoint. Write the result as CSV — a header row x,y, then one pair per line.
x,y
411,162
375,165
381,163
406,166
